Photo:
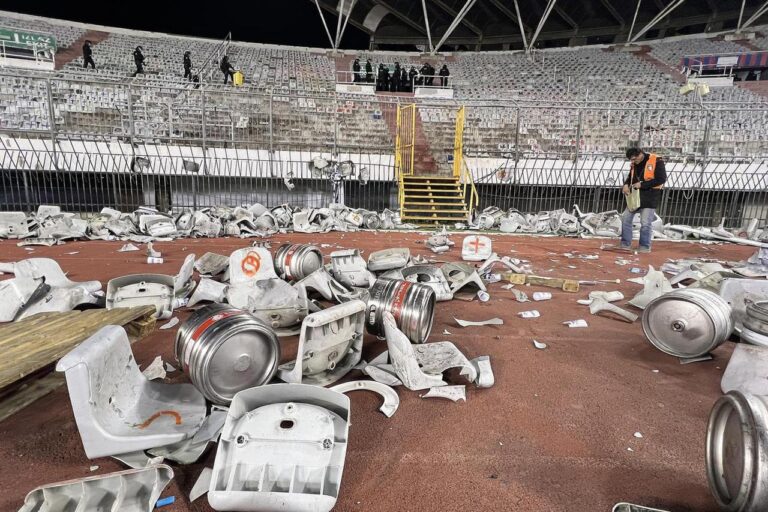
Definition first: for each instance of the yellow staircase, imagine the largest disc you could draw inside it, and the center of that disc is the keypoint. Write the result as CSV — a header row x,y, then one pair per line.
x,y
438,199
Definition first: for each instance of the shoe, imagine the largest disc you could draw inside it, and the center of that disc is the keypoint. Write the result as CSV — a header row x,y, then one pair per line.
x,y
644,250
627,248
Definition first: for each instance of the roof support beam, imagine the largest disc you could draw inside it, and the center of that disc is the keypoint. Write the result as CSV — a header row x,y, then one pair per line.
x,y
564,15
759,12
426,25
402,17
542,21
352,22
338,24
611,9
506,12
632,26
464,10
471,26
674,4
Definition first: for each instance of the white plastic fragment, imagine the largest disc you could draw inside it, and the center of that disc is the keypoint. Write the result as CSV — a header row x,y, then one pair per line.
x,y
151,252
485,377
483,296
539,345
529,314
638,435
171,323
128,248
468,323
453,393
576,323
202,484
507,286
520,296
391,400
155,370
539,296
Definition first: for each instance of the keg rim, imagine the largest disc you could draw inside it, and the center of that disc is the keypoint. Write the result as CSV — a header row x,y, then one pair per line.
x,y
734,402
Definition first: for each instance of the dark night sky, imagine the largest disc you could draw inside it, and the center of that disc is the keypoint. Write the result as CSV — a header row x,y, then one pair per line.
x,y
290,22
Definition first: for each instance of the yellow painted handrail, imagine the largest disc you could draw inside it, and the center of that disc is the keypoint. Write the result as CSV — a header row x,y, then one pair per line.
x,y
468,182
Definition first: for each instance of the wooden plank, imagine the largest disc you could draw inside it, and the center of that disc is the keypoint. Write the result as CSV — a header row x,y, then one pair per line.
x,y
48,338
29,393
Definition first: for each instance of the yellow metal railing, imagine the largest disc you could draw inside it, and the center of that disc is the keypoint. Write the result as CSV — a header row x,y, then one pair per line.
x,y
458,143
468,183
405,147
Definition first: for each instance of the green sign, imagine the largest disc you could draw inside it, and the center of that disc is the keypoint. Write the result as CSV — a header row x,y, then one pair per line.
x,y
18,39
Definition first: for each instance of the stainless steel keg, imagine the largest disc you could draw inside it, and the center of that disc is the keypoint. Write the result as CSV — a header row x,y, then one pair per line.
x,y
412,305
687,323
225,350
755,326
294,262
737,452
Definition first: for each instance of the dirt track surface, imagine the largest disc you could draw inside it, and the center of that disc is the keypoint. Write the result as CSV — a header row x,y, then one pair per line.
x,y
554,433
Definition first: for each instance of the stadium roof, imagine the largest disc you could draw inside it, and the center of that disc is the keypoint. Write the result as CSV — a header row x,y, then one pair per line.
x,y
496,24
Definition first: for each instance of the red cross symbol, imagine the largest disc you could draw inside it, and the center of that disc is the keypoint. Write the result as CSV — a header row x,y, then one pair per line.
x,y
477,245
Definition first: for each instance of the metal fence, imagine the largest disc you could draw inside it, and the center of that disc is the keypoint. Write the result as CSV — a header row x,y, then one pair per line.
x,y
88,144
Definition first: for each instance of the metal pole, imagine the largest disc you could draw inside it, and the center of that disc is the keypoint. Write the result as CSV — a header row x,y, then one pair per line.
x,y
578,143
426,24
759,12
640,129
454,24
271,149
52,123
205,153
338,25
328,32
520,22
741,15
632,27
663,14
344,27
547,11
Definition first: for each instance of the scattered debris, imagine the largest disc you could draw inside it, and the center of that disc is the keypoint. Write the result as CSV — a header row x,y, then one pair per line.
x,y
476,248
452,393
155,370
468,323
576,323
539,345
171,323
529,314
483,296
391,400
600,305
201,485
567,285
128,248
539,296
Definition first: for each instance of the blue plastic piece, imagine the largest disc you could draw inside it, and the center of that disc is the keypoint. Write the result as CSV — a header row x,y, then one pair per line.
x,y
165,501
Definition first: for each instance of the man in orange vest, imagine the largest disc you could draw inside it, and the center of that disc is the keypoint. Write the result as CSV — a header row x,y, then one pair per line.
x,y
647,173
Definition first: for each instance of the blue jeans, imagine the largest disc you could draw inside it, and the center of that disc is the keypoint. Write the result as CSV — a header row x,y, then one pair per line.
x,y
646,229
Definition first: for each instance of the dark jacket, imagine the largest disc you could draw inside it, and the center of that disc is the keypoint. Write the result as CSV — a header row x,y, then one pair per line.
x,y
138,57
87,50
649,196
187,62
225,65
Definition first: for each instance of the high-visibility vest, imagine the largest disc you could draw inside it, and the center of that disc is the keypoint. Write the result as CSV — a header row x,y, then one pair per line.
x,y
649,172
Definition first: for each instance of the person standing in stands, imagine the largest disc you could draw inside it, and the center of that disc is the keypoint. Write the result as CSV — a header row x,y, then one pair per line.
x,y
356,71
368,71
412,74
396,78
138,59
647,173
444,73
227,68
188,65
430,79
404,83
88,55
423,72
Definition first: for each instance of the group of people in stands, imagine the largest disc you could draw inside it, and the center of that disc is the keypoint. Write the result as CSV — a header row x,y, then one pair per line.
x,y
138,58
399,79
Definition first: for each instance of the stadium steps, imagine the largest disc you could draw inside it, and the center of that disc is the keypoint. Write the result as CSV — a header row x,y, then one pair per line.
x,y
674,74
431,199
757,87
66,55
423,161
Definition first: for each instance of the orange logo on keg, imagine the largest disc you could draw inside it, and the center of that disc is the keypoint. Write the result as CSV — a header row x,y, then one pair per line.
x,y
251,264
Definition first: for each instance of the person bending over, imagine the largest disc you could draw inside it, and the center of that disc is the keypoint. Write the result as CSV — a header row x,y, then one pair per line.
x,y
228,69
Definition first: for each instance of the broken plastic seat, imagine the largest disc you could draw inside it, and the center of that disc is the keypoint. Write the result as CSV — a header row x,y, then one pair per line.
x,y
133,490
330,345
116,408
282,449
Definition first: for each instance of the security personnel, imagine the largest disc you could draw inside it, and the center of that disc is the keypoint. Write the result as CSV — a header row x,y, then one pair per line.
x,y
356,71
648,174
368,71
188,65
88,55
444,74
138,59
